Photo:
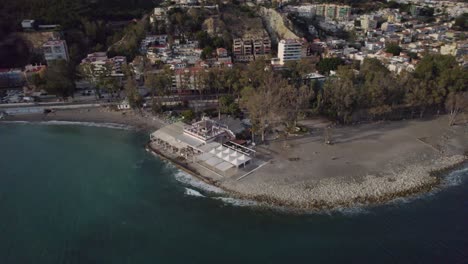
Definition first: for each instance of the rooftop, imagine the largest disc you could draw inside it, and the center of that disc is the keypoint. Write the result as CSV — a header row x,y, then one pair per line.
x,y
53,42
291,41
206,129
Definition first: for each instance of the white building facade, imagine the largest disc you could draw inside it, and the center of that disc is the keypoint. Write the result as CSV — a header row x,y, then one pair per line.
x,y
289,50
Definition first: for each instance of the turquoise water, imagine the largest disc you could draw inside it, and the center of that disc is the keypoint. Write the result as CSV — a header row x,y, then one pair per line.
x,y
76,194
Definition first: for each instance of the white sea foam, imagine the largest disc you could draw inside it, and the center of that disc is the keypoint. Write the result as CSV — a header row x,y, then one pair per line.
x,y
93,124
193,192
15,122
452,179
188,179
237,202
351,211
455,178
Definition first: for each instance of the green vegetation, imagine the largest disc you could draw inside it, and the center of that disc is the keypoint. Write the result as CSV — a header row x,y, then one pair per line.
x,y
129,43
392,48
274,102
190,24
375,93
228,105
188,115
59,79
131,90
461,22
329,64
100,79
14,52
69,14
84,23
159,85
208,43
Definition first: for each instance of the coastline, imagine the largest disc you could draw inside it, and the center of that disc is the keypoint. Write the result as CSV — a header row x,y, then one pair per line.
x,y
434,181
413,176
99,115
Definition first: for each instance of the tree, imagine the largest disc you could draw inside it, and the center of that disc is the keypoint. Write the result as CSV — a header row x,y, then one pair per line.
x,y
326,65
255,74
134,98
392,48
207,53
38,81
296,70
418,95
59,79
228,105
111,85
377,87
461,22
293,100
263,104
99,76
340,95
159,85
455,104
188,115
436,76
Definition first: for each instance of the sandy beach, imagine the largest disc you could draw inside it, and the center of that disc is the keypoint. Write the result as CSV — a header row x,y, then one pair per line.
x,y
139,121
370,163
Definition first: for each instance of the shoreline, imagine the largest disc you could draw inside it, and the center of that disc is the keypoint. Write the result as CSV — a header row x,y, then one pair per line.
x,y
291,206
99,115
427,173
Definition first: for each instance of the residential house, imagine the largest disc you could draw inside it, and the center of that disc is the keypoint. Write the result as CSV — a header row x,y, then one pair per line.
x,y
55,50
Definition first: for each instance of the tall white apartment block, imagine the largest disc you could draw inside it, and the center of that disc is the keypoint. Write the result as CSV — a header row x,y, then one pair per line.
x,y
289,50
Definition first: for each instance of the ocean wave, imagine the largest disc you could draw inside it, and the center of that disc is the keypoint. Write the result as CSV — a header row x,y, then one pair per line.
x,y
188,179
192,192
92,124
452,179
455,178
237,202
75,123
16,122
352,211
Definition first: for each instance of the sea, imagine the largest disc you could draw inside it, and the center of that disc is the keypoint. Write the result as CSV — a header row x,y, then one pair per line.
x,y
88,193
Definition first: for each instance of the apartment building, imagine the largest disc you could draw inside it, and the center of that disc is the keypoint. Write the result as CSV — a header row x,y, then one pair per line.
x,y
55,50
249,49
159,14
368,22
332,11
289,50
187,79
99,60
221,52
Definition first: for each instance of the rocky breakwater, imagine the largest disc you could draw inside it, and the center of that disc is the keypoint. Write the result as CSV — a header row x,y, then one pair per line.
x,y
337,193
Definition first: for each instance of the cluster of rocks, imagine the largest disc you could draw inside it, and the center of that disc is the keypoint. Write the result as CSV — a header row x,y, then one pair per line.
x,y
328,194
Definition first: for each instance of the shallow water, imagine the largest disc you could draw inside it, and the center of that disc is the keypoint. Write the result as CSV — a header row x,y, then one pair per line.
x,y
80,194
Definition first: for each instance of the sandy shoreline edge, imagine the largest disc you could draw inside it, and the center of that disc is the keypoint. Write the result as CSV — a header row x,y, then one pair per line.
x,y
434,182
422,178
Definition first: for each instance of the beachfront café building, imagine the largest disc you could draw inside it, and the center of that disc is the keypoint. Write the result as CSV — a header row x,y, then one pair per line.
x,y
206,142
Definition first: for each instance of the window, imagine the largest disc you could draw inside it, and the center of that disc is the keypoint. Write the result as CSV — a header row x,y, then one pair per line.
x,y
58,49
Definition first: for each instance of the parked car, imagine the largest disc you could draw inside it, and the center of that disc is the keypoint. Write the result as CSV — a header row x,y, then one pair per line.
x,y
28,99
